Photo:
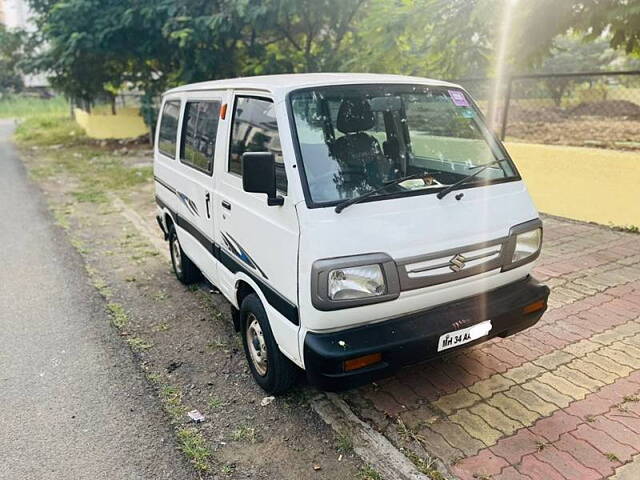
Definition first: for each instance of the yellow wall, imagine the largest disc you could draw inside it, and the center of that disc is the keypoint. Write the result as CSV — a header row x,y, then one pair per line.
x,y
590,184
127,123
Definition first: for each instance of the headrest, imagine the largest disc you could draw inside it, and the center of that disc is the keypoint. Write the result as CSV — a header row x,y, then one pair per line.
x,y
355,115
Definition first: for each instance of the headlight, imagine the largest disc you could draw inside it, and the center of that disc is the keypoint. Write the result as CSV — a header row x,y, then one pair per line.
x,y
527,244
353,281
356,282
523,245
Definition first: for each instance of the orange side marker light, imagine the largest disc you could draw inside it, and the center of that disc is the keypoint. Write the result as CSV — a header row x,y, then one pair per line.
x,y
534,307
361,362
223,111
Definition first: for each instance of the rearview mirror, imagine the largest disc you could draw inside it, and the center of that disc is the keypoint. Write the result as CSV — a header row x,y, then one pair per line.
x,y
259,175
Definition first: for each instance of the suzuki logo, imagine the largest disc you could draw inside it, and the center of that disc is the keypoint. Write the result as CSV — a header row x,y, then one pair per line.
x,y
457,263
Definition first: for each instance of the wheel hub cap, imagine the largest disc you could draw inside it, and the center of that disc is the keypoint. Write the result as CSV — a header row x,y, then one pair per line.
x,y
256,345
177,258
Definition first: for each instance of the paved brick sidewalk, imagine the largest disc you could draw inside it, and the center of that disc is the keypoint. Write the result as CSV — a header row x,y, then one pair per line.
x,y
558,401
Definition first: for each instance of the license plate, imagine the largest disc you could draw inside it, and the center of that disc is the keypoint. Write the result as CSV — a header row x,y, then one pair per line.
x,y
464,335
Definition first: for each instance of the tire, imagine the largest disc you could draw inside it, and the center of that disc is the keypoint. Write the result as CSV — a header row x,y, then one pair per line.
x,y
185,270
277,374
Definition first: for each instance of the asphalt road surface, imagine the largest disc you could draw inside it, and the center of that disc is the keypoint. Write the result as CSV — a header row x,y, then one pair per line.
x,y
73,405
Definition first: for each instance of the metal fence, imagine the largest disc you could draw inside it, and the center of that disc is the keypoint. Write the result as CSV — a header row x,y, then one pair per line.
x,y
594,109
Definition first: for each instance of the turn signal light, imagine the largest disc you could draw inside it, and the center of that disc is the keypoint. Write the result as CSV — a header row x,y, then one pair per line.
x,y
534,307
223,111
361,362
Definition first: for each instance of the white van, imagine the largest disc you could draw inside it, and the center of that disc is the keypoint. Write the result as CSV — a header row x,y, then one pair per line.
x,y
356,223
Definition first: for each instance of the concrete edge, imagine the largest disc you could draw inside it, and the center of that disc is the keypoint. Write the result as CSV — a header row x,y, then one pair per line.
x,y
371,446
142,226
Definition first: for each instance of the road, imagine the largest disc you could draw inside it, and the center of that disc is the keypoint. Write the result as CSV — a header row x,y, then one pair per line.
x,y
73,404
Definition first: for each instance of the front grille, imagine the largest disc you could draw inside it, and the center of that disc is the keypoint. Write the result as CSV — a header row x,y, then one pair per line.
x,y
453,264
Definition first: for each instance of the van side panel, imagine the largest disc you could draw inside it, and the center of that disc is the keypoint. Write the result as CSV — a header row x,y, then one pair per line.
x,y
164,171
257,243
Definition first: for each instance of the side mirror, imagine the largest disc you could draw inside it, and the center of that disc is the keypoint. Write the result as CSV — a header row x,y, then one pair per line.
x,y
259,175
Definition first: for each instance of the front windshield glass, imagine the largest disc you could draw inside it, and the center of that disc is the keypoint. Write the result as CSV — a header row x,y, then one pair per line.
x,y
354,139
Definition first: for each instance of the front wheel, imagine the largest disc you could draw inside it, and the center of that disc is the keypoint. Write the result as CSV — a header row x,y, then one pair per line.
x,y
274,372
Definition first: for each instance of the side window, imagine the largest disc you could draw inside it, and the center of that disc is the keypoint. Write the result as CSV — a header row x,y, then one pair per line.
x,y
199,129
255,129
169,128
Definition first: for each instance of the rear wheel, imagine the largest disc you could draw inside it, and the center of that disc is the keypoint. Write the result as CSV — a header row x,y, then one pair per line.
x,y
185,270
274,372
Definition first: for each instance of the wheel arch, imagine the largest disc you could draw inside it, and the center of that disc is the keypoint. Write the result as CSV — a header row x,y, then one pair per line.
x,y
168,219
285,333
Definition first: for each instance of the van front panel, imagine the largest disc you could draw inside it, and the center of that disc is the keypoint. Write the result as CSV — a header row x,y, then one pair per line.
x,y
418,234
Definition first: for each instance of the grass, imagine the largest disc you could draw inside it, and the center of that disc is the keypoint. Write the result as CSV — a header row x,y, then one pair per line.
x,y
79,246
425,466
194,446
218,344
344,444
49,130
540,445
118,316
297,397
172,401
612,457
368,473
627,228
244,433
228,469
18,106
63,148
99,283
161,327
137,344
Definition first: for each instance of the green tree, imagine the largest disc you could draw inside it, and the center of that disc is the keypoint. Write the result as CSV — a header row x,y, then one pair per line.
x,y
571,53
540,22
11,53
442,38
72,53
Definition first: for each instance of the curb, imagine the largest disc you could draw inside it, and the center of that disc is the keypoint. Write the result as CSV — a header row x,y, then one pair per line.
x,y
371,446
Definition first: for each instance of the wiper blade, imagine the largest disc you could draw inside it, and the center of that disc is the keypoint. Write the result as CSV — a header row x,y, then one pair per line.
x,y
481,168
341,206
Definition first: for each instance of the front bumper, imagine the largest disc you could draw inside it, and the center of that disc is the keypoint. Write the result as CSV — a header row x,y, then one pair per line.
x,y
414,338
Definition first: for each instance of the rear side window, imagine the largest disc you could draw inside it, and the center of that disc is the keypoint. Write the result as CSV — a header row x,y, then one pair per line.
x,y
199,129
169,128
255,130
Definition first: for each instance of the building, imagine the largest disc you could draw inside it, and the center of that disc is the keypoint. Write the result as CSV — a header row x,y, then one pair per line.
x,y
16,14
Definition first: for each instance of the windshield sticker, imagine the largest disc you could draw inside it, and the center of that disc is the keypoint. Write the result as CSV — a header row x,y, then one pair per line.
x,y
467,113
458,98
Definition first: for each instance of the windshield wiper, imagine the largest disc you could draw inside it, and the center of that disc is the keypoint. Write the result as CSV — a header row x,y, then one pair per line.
x,y
481,168
341,206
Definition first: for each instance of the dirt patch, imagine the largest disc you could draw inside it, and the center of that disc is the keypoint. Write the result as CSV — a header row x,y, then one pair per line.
x,y
608,108
613,134
611,124
518,114
182,338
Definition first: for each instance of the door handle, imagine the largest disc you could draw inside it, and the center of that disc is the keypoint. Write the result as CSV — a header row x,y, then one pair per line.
x,y
207,200
226,204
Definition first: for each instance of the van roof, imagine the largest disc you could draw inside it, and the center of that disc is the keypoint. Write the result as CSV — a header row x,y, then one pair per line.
x,y
288,82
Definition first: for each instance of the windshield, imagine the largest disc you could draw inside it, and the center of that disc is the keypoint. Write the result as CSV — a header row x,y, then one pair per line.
x,y
354,139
